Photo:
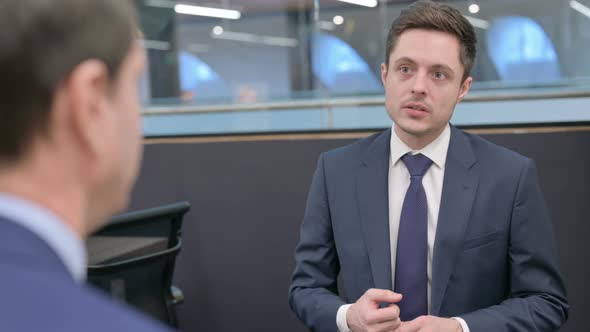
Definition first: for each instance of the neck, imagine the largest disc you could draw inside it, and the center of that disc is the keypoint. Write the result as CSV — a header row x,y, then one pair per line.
x,y
42,186
416,142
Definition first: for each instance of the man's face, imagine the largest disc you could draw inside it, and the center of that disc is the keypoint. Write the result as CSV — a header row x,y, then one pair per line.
x,y
124,132
423,83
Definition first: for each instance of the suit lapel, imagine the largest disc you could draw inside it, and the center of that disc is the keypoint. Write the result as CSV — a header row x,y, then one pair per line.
x,y
372,195
459,187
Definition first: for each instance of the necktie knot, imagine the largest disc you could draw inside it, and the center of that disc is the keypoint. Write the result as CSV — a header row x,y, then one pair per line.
x,y
417,164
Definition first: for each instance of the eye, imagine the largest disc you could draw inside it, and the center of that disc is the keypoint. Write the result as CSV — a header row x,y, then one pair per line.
x,y
405,69
439,75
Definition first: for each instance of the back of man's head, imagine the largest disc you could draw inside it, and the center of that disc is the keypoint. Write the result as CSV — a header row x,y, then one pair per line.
x,y
41,42
69,112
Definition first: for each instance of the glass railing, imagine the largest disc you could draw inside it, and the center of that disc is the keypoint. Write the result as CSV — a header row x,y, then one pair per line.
x,y
486,108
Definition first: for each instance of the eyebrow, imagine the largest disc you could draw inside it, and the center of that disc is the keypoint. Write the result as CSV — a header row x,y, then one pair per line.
x,y
403,60
443,67
438,66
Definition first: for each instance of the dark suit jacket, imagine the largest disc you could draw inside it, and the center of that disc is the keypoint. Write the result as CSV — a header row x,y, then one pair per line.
x,y
37,293
494,260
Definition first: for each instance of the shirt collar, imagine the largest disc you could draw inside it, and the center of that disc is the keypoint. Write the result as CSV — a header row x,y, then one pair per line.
x,y
49,227
435,151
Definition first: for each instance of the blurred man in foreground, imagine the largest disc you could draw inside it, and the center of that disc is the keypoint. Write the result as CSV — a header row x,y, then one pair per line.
x,y
70,146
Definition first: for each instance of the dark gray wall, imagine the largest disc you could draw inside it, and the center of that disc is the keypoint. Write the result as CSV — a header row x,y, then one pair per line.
x,y
248,200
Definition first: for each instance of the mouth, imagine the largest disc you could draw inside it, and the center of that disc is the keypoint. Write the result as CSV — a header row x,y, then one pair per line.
x,y
415,109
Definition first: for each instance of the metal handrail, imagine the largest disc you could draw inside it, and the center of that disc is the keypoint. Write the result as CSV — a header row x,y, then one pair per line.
x,y
479,96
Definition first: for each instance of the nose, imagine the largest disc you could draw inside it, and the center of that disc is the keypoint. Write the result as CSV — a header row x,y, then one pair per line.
x,y
419,87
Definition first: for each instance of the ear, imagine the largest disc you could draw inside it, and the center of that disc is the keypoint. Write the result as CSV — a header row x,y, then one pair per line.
x,y
464,89
86,94
383,73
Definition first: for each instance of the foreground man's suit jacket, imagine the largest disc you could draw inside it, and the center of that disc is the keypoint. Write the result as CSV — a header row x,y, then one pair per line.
x,y
38,293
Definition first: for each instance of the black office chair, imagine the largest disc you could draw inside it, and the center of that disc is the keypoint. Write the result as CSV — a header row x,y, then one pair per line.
x,y
133,257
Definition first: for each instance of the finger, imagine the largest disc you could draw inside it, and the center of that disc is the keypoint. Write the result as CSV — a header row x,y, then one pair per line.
x,y
388,314
386,326
411,326
405,327
383,295
395,324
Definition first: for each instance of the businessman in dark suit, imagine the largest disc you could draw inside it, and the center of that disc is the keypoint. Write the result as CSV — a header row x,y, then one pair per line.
x,y
70,145
424,227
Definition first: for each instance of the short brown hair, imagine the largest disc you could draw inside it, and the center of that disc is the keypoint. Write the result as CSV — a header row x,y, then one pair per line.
x,y
41,43
428,15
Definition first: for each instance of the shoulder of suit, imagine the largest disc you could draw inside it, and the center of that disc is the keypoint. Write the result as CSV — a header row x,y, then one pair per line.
x,y
81,308
493,154
122,317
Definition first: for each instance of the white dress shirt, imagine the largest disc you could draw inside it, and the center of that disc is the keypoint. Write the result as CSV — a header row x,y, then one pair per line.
x,y
45,224
399,181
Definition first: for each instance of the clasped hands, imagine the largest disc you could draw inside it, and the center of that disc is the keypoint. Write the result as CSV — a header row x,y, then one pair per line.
x,y
366,315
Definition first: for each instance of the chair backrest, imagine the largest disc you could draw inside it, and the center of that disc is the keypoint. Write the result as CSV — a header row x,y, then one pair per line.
x,y
132,258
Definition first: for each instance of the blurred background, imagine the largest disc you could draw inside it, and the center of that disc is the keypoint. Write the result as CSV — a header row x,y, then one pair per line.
x,y
226,66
